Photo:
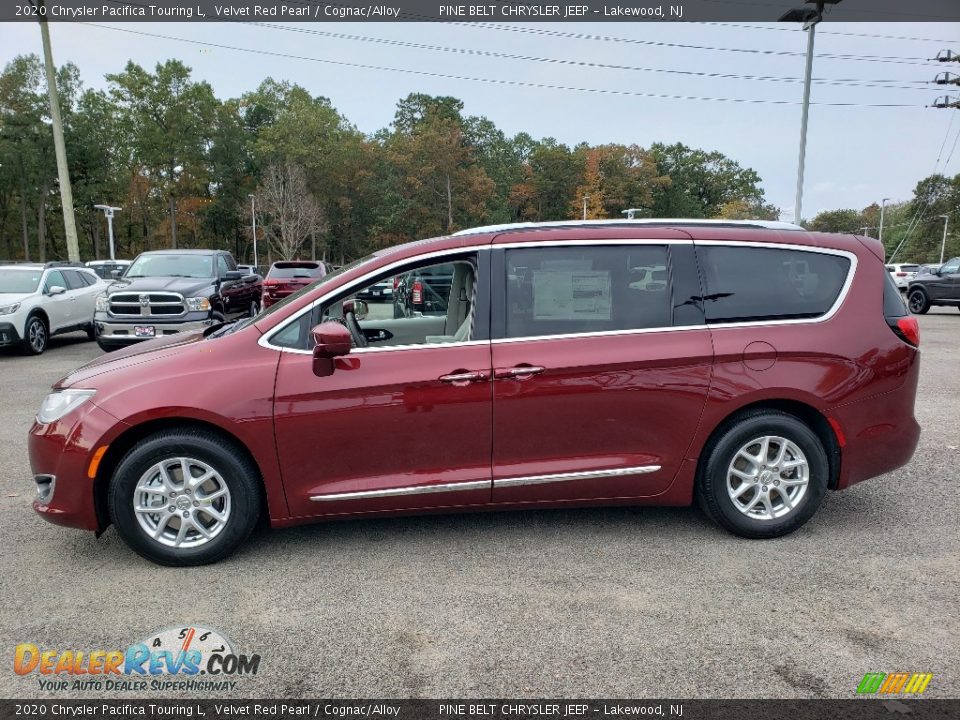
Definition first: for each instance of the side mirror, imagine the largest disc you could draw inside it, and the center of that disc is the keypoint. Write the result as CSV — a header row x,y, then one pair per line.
x,y
332,340
56,290
357,307
116,272
233,275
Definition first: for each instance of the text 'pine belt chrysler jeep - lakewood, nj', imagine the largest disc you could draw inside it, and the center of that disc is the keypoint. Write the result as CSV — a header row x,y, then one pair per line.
x,y
166,292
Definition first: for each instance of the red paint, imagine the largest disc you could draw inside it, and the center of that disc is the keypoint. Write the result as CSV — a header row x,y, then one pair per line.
x,y
385,419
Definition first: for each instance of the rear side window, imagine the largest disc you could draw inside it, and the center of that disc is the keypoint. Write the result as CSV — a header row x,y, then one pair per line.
x,y
893,306
756,283
568,290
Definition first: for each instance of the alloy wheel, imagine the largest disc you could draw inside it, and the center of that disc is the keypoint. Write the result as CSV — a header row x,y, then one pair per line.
x,y
182,502
768,478
37,335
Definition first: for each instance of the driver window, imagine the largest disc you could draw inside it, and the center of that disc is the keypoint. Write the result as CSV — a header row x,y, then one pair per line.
x,y
425,305
222,268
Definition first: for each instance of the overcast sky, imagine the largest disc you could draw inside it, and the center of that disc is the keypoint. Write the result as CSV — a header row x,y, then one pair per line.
x,y
855,155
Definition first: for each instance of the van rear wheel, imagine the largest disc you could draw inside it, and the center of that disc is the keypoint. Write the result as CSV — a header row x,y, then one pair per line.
x,y
184,498
765,475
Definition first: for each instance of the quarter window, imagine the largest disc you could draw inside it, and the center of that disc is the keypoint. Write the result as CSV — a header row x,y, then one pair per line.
x,y
756,283
569,290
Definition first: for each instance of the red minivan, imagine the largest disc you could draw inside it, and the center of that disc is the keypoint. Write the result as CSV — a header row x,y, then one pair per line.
x,y
750,365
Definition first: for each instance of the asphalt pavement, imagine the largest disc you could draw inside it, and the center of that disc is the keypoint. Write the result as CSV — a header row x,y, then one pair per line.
x,y
629,602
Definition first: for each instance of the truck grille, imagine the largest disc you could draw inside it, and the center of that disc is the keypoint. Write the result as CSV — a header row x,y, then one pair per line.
x,y
154,304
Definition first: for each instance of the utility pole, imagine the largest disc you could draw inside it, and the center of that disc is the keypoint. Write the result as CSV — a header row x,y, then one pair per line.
x,y
253,217
943,245
109,211
63,172
585,198
809,18
883,204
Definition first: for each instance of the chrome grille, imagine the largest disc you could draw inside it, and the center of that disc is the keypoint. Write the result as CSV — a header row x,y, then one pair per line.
x,y
154,304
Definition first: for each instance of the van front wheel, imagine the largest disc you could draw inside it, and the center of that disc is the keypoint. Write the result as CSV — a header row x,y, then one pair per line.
x,y
184,497
765,476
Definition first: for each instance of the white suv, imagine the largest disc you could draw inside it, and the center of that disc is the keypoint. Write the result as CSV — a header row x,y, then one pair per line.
x,y
903,274
37,301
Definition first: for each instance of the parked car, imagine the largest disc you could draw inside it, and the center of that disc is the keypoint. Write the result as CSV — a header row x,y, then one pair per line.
x,y
380,292
109,269
287,276
249,270
41,300
785,367
168,292
938,287
903,273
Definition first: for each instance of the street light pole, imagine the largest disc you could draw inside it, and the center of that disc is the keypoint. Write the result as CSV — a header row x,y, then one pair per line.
x,y
253,216
883,204
943,245
109,211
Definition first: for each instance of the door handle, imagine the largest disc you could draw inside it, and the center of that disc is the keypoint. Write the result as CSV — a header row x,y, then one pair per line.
x,y
464,378
518,373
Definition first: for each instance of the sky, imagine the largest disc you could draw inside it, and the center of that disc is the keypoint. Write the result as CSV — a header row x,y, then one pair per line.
x,y
855,155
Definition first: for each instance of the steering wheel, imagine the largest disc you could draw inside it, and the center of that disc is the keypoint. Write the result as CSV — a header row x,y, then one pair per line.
x,y
356,333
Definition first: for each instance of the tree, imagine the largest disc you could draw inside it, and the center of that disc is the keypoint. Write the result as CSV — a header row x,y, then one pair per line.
x,y
616,178
292,212
166,119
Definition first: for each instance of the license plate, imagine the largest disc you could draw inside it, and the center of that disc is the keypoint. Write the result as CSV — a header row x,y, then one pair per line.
x,y
144,331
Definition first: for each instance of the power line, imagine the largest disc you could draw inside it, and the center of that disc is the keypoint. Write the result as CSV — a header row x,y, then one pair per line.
x,y
493,81
891,59
845,82
830,32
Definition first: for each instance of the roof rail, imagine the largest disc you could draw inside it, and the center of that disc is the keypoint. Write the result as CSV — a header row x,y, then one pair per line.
x,y
649,222
62,263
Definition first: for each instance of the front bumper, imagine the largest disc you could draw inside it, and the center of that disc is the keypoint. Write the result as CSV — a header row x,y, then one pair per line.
x,y
63,450
114,331
9,334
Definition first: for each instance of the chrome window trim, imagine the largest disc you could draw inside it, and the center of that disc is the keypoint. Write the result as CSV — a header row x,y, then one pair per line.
x,y
408,490
481,484
567,477
841,297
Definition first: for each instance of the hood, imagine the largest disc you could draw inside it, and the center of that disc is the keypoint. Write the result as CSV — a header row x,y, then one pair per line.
x,y
11,298
188,287
136,354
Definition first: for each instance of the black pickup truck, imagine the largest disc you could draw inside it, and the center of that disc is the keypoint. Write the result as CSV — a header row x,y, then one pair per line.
x,y
422,292
165,292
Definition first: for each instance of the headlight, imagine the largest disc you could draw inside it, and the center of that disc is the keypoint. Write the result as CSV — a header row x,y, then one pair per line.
x,y
199,303
103,303
58,404
9,309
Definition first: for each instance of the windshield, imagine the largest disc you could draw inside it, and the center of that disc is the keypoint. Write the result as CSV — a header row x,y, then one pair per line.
x,y
171,265
19,280
307,288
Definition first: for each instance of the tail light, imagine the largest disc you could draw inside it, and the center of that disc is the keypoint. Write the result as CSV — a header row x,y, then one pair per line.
x,y
907,329
417,292
901,274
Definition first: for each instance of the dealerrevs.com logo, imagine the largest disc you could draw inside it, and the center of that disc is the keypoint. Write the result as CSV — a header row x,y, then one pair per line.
x,y
179,658
894,683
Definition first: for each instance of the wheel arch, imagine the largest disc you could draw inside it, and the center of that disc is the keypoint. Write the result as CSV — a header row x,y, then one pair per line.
x,y
809,415
123,443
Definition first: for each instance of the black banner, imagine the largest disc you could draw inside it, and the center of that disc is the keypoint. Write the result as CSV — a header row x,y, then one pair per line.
x,y
301,11
856,709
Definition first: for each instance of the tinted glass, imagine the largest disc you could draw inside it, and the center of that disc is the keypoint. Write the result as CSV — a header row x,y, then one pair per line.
x,y
54,278
222,268
893,306
950,267
74,280
567,290
755,283
278,272
909,268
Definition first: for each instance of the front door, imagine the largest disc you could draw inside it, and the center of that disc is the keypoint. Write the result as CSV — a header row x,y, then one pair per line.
x,y
59,307
947,285
403,423
602,372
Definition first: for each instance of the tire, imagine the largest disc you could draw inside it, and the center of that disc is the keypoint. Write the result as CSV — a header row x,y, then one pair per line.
x,y
918,302
720,481
107,347
91,332
36,335
254,308
217,525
